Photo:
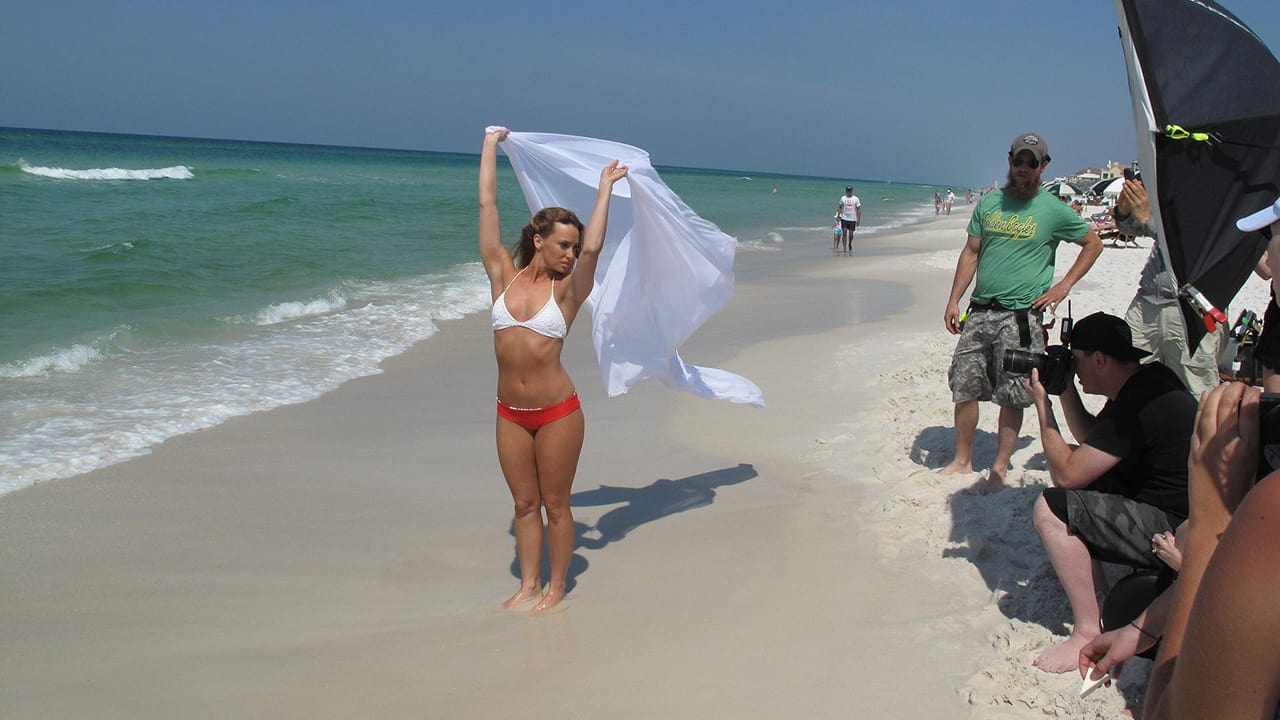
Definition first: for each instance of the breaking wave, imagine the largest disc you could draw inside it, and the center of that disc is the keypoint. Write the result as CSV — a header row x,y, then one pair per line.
x,y
177,172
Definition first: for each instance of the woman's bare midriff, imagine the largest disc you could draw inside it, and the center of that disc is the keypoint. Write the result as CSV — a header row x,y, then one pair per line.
x,y
529,371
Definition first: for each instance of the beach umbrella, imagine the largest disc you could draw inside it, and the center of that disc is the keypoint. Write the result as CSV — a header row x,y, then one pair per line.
x,y
1109,186
1062,189
1208,125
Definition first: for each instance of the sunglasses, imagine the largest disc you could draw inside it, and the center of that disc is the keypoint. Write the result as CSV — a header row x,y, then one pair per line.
x,y
1019,162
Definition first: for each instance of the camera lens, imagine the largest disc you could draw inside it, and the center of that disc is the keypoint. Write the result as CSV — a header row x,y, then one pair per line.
x,y
1021,361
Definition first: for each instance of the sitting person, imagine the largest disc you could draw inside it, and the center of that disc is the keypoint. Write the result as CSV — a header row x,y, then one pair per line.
x,y
1125,484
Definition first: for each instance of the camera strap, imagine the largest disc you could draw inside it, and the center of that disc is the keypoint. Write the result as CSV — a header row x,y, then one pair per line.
x,y
1024,327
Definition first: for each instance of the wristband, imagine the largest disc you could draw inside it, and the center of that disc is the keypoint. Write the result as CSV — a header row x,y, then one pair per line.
x,y
1144,632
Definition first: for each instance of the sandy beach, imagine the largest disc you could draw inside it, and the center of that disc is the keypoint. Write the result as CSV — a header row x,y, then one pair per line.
x,y
347,557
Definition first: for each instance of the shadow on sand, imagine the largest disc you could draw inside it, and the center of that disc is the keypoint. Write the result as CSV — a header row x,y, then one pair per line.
x,y
935,446
994,531
657,500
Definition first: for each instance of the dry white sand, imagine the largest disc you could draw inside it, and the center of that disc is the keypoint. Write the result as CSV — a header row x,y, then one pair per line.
x,y
346,557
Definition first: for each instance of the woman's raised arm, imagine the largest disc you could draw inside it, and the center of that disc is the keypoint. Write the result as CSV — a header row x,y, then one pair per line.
x,y
593,239
492,253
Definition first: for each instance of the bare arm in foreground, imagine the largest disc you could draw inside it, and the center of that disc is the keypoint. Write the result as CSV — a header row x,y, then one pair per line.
x,y
1219,657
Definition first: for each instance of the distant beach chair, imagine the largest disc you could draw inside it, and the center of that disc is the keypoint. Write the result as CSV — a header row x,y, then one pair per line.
x,y
1105,226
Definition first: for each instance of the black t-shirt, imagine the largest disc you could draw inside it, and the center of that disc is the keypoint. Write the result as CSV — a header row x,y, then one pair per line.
x,y
1268,348
1148,426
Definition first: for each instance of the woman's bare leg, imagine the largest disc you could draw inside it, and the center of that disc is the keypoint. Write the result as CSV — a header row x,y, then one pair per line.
x,y
557,446
520,468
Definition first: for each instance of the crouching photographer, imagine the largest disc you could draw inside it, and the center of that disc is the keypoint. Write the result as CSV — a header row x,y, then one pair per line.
x,y
1125,482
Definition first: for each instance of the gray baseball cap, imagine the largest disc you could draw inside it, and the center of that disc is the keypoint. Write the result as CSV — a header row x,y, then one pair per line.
x,y
1032,143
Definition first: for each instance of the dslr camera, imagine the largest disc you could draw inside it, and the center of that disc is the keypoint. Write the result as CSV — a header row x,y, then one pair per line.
x,y
1268,434
1054,364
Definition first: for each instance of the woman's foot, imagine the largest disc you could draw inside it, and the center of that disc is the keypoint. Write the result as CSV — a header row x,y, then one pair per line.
x,y
1165,548
550,598
523,595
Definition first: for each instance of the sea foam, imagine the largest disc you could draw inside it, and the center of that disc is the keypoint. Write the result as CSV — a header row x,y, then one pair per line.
x,y
286,311
82,407
176,172
66,360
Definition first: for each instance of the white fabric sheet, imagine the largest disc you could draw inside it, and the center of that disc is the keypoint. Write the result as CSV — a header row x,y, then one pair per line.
x,y
663,270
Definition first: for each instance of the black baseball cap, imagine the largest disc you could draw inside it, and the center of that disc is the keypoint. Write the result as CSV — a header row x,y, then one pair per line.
x,y
1106,334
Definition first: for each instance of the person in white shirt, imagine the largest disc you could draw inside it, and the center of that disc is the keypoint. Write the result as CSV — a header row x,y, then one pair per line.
x,y
849,213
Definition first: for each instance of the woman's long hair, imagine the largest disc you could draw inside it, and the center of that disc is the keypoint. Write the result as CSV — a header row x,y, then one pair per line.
x,y
542,224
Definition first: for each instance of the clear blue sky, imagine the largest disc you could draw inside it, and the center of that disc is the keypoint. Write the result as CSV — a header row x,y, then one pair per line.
x,y
909,90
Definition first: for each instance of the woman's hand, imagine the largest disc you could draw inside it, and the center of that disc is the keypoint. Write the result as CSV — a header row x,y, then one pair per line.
x,y
496,132
1224,450
1108,652
612,173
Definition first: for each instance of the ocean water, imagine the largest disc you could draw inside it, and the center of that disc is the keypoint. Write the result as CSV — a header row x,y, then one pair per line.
x,y
153,286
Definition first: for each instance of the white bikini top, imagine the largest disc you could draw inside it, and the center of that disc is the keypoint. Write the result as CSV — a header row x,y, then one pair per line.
x,y
548,321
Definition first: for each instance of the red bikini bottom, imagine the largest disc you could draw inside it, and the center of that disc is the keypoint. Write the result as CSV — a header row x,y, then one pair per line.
x,y
533,418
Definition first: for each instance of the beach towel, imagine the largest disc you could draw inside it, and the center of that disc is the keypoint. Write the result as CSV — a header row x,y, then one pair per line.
x,y
662,273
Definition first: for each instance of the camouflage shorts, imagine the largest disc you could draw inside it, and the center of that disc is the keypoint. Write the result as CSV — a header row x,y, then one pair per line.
x,y
977,367
1115,528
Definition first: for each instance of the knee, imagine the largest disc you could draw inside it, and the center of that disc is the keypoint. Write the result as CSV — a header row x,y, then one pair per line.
x,y
528,505
1044,518
558,511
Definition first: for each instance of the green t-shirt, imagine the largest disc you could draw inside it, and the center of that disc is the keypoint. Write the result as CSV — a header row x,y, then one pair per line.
x,y
1019,241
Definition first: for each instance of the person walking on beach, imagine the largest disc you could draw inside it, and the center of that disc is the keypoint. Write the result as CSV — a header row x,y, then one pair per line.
x,y
1013,239
849,213
948,201
540,425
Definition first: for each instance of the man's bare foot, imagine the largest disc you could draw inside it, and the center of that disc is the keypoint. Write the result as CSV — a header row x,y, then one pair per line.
x,y
1063,657
956,467
992,483
522,596
1166,549
550,599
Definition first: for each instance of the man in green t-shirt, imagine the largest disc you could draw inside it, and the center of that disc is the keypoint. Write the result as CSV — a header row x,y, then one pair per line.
x,y
1013,239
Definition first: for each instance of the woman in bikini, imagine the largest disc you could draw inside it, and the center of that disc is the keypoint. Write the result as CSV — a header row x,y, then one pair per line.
x,y
540,425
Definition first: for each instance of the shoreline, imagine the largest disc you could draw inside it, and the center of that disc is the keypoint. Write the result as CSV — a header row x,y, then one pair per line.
x,y
348,555
98,411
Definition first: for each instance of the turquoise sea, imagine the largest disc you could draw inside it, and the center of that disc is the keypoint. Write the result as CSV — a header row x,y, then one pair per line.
x,y
152,286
